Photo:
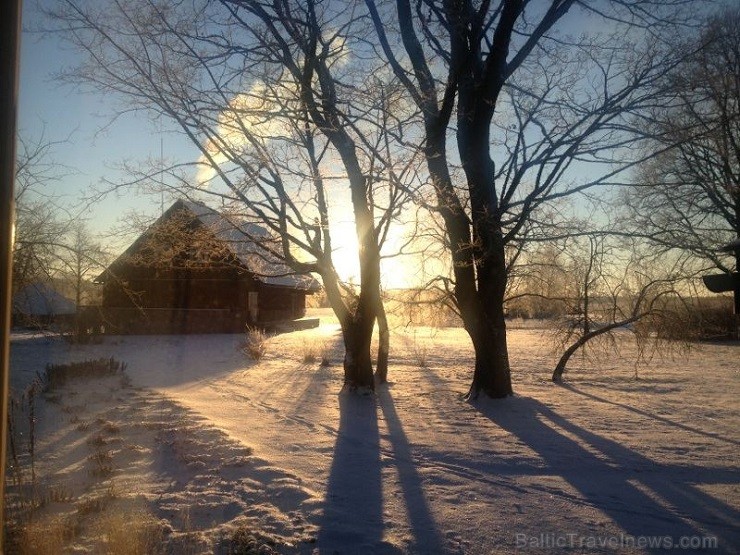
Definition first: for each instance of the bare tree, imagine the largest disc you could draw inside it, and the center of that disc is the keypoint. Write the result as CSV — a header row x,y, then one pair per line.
x,y
614,287
275,97
539,284
528,109
688,198
79,259
40,219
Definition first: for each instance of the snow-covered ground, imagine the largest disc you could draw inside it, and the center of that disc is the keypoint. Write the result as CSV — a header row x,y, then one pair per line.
x,y
609,462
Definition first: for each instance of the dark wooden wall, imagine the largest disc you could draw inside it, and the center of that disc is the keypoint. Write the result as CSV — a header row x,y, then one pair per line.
x,y
281,303
145,300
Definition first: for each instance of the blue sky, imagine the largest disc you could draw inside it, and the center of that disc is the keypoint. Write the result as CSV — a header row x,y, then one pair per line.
x,y
64,113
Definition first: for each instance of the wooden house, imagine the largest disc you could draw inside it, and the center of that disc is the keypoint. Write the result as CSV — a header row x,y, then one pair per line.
x,y
196,270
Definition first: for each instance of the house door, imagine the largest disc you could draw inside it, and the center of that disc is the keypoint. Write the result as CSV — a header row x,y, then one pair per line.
x,y
253,306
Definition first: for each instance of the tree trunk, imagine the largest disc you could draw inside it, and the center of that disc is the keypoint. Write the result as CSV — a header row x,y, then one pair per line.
x,y
357,331
358,368
485,322
381,369
487,329
557,374
479,295
358,328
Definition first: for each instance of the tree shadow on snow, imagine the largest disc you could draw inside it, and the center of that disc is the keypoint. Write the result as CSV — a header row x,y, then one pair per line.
x,y
352,517
423,525
642,497
647,414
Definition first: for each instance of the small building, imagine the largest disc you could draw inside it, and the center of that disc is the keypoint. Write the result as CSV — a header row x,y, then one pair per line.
x,y
39,304
196,270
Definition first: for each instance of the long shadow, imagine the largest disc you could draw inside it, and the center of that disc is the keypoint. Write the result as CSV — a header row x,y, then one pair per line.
x,y
426,535
352,517
668,501
651,415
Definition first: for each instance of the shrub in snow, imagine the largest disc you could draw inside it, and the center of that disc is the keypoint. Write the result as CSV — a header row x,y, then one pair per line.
x,y
255,343
310,352
314,351
57,375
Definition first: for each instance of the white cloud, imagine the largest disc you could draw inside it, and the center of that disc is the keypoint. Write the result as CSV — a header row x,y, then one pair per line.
x,y
265,112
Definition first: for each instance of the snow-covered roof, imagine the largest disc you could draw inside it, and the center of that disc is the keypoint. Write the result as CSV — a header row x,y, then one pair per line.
x,y
242,239
41,299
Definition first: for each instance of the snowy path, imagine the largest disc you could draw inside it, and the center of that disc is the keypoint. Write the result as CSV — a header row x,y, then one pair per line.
x,y
417,470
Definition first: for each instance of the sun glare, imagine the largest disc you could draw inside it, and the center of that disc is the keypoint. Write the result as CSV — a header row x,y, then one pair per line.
x,y
397,272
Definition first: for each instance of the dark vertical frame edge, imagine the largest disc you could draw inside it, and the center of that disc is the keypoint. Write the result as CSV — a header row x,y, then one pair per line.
x,y
10,25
